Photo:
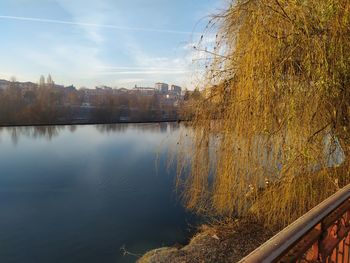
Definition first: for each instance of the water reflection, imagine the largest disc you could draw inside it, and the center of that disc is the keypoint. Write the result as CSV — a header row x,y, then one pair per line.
x,y
50,132
112,128
47,132
79,193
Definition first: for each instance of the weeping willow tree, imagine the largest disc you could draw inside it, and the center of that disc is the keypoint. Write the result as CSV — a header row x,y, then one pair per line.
x,y
270,136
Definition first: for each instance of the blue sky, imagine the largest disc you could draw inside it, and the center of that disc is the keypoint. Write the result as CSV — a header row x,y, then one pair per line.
x,y
118,43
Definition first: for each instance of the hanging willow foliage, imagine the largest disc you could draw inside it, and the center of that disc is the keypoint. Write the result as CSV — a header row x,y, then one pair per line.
x,y
270,136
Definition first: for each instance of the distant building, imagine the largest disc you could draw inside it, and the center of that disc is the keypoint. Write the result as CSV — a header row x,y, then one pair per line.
x,y
120,91
103,87
3,84
61,87
176,89
162,87
147,91
70,88
27,85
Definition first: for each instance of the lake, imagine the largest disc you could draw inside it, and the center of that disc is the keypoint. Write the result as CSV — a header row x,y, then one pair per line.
x,y
81,193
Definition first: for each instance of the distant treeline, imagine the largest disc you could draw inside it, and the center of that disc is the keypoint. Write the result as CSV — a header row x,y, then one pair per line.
x,y
48,103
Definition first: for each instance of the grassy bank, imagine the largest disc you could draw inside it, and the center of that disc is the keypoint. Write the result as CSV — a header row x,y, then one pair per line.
x,y
224,242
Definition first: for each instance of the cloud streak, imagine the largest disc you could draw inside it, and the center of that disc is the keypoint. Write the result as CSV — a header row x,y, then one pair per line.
x,y
107,26
146,72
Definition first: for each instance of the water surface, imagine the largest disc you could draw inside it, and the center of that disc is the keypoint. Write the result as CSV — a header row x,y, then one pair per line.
x,y
80,193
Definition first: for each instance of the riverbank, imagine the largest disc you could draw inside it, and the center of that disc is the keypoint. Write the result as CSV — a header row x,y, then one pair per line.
x,y
85,123
219,243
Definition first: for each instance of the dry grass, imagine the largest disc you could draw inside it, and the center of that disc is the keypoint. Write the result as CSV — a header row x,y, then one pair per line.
x,y
275,111
222,243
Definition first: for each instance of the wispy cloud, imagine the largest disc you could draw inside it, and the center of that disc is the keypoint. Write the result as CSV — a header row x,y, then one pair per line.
x,y
139,68
145,72
83,24
109,42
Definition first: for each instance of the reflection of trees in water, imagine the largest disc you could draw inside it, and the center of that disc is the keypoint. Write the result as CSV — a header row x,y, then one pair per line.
x,y
162,127
144,127
47,132
111,128
1,131
72,128
173,126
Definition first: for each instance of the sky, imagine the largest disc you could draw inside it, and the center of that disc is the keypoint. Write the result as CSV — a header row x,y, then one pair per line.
x,y
119,43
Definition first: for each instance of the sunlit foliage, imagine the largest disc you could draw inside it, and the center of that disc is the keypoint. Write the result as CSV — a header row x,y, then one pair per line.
x,y
270,137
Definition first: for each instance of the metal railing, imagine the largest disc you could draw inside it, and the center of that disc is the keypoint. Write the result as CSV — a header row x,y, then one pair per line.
x,y
321,235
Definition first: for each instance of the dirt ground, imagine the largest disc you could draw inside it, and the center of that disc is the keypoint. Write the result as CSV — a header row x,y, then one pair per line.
x,y
219,243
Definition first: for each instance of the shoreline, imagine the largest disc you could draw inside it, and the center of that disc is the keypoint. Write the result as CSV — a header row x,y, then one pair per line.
x,y
224,243
86,123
